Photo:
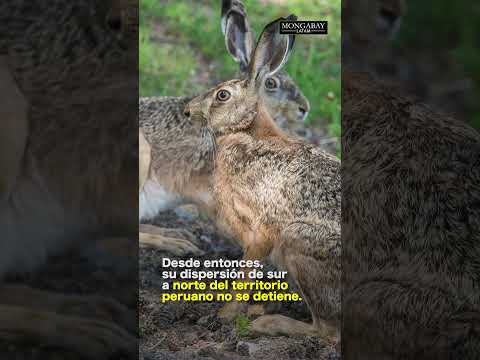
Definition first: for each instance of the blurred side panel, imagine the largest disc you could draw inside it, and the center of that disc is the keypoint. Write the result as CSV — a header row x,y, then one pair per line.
x,y
68,179
411,180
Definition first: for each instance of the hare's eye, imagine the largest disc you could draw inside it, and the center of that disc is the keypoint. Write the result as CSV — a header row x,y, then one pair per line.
x,y
223,95
271,83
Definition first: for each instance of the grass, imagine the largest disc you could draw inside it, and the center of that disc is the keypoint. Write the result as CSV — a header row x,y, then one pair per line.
x,y
242,325
157,75
172,68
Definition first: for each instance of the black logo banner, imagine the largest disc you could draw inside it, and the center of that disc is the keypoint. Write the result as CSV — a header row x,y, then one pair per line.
x,y
304,27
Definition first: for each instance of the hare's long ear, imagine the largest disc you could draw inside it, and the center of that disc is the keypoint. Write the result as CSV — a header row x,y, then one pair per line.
x,y
272,51
239,36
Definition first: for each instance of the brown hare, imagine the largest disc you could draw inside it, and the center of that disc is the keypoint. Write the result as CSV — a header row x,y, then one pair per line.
x,y
278,195
410,228
179,166
64,158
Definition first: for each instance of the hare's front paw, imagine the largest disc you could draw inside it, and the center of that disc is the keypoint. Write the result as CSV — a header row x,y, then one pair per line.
x,y
180,247
232,309
100,308
93,326
176,241
92,339
279,325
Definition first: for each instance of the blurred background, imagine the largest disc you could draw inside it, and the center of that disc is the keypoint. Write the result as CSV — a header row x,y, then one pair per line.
x,y
182,52
442,39
435,56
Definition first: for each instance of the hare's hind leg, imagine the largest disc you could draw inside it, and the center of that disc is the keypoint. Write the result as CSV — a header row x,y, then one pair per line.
x,y
257,245
13,130
61,321
176,241
311,255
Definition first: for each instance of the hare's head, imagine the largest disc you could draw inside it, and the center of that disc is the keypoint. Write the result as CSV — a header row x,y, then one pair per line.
x,y
233,105
370,21
283,99
121,18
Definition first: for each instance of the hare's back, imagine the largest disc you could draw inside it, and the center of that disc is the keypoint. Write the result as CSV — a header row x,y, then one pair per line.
x,y
412,183
165,113
285,180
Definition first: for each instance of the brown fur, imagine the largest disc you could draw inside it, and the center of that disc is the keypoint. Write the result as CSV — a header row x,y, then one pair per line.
x,y
410,228
180,161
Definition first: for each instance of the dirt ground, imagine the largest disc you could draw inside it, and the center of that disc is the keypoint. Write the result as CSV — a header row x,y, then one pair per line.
x,y
191,331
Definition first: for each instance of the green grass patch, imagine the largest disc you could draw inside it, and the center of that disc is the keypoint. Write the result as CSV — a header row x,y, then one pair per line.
x,y
242,325
166,69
